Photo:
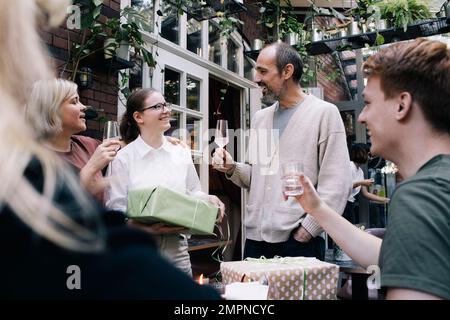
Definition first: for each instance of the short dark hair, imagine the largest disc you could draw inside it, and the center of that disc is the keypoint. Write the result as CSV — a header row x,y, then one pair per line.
x,y
359,153
420,67
286,54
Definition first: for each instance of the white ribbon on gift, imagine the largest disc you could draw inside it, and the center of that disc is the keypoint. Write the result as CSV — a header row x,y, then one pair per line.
x,y
304,261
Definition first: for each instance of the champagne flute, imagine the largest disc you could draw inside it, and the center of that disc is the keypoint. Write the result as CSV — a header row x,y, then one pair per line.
x,y
111,130
221,138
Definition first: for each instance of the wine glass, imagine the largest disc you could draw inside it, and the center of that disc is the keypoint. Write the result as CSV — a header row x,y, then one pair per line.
x,y
221,137
111,130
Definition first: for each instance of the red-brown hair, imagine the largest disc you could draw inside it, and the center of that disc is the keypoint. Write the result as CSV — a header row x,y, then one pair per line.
x,y
420,67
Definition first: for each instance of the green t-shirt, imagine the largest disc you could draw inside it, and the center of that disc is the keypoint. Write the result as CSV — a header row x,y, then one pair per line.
x,y
415,253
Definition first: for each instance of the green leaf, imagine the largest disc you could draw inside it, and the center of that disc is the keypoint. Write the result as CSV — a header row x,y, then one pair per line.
x,y
379,40
148,58
98,2
126,92
86,21
96,12
102,119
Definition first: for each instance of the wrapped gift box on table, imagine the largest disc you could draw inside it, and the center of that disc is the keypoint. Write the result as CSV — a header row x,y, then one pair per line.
x,y
164,205
290,278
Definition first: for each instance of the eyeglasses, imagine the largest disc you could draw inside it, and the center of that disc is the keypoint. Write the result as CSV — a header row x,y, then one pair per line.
x,y
159,107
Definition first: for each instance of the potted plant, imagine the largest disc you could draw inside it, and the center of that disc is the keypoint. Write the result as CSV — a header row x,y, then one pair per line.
x,y
280,22
128,34
400,13
116,34
364,10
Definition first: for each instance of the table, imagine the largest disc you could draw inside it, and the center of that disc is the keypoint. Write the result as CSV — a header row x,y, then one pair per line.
x,y
358,273
206,243
201,252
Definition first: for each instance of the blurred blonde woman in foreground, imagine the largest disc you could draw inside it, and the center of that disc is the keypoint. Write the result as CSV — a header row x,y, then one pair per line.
x,y
48,226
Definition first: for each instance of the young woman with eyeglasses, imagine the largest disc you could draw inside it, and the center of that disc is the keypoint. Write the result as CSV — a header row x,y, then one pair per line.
x,y
149,160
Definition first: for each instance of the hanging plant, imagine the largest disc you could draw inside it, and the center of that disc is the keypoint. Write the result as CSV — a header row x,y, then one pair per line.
x,y
281,21
364,10
400,13
122,31
227,23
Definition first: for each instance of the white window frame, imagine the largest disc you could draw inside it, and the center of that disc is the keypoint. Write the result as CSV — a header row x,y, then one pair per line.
x,y
188,62
166,59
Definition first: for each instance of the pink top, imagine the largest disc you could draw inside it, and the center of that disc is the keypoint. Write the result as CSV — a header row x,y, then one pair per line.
x,y
81,150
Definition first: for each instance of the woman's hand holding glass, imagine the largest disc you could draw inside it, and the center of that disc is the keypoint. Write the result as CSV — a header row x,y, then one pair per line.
x,y
365,182
104,154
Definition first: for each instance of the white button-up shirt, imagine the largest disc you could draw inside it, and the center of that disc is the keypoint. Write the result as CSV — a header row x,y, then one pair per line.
x,y
139,166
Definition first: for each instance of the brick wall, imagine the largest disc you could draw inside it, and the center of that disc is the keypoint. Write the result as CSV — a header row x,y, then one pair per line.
x,y
103,94
329,75
251,29
331,79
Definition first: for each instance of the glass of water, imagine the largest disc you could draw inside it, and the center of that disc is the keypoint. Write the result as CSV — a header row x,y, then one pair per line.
x,y
290,179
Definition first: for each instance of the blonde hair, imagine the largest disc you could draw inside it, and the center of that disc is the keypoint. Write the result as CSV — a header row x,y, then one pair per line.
x,y
22,62
43,108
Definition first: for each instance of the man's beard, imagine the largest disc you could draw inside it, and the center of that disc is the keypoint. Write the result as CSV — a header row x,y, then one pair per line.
x,y
269,98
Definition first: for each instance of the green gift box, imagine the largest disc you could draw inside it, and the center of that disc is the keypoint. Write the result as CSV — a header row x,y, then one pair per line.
x,y
160,204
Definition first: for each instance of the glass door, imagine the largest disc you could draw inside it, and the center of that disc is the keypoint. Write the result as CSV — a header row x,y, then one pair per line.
x,y
185,85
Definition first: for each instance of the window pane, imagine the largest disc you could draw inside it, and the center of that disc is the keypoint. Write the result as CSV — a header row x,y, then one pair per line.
x,y
174,130
232,56
193,129
194,36
172,86
348,118
170,22
197,165
193,93
214,44
135,81
145,8
248,69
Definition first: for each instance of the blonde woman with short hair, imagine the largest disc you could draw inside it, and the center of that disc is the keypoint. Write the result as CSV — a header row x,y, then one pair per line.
x,y
53,242
57,114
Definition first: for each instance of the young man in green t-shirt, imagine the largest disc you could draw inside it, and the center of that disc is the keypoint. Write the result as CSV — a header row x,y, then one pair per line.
x,y
407,114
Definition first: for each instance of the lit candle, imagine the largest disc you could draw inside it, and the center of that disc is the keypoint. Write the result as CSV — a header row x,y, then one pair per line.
x,y
201,280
